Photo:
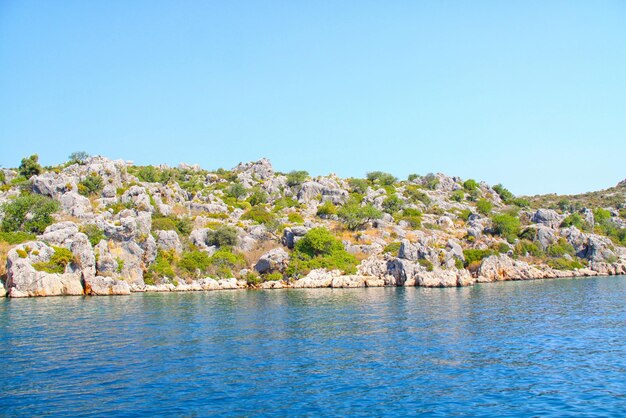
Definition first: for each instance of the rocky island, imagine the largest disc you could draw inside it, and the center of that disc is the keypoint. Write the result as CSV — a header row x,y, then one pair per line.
x,y
95,226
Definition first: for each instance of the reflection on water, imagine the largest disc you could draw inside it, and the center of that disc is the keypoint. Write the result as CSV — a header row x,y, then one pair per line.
x,y
552,347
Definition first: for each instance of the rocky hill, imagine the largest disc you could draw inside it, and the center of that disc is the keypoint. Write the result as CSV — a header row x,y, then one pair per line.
x,y
100,227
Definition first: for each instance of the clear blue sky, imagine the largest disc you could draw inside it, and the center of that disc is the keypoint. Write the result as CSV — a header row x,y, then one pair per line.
x,y
530,94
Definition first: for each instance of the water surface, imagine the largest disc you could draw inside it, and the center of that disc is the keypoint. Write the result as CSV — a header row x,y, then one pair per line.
x,y
547,348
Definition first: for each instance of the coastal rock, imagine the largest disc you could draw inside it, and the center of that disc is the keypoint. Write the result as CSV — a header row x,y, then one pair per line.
x,y
317,278
274,260
349,281
105,286
168,240
502,267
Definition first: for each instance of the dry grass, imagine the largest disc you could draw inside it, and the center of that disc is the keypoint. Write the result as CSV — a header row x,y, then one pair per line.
x,y
4,250
253,256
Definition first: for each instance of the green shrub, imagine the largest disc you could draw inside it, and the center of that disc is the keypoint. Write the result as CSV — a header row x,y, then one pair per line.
x,y
559,249
285,202
574,219
601,215
94,233
393,204
258,214
223,236
17,237
426,264
28,213
474,255
522,203
162,266
412,177
470,185
77,157
258,197
91,185
430,181
163,224
458,196
504,193
415,195
224,261
355,215
392,248
484,206
58,261
358,185
525,248
295,218
296,178
151,174
384,179
565,264
30,166
506,225
502,248
3,177
195,263
318,248
22,253
465,214
412,216
327,208
236,191
271,277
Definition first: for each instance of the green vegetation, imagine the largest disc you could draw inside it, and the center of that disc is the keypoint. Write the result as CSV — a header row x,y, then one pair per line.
x,y
384,179
296,178
484,207
161,267
91,185
224,261
504,193
94,233
392,248
427,264
412,216
560,249
525,248
223,236
327,208
565,264
576,220
258,197
78,157
320,249
16,237
506,225
58,261
358,185
28,213
30,166
236,191
393,204
470,185
475,255
355,216
295,218
195,263
430,181
258,214
458,196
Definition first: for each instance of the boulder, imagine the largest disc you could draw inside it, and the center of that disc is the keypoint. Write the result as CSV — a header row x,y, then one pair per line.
x,y
317,278
168,240
349,281
104,286
502,267
292,235
274,260
547,217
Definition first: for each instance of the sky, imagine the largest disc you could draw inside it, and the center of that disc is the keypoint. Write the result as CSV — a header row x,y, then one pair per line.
x,y
530,94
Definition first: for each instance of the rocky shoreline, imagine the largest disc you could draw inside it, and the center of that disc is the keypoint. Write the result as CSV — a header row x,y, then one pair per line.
x,y
119,229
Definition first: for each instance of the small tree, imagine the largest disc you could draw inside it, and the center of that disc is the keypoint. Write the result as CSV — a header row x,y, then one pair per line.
x,y
78,157
30,166
92,184
384,179
296,178
506,225
470,185
224,236
28,213
393,204
484,206
355,216
236,191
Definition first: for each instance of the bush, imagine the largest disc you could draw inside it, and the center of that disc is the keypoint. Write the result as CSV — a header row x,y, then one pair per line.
x,y
358,185
430,181
506,225
426,264
295,218
236,191
162,266
327,208
258,197
392,248
526,248
285,202
565,264
416,196
502,248
576,220
224,236
28,213
271,277
465,214
458,196
601,215
393,204
30,166
78,157
58,261
18,237
355,215
296,178
91,185
163,224
412,177
484,206
504,194
224,261
195,262
183,225
318,248
475,255
412,216
94,233
384,179
470,185
258,214
561,248
151,174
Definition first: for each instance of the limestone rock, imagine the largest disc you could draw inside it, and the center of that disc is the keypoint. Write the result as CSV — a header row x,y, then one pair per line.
x,y
104,286
274,260
168,240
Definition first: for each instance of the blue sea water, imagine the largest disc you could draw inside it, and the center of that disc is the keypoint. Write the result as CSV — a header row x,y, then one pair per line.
x,y
536,348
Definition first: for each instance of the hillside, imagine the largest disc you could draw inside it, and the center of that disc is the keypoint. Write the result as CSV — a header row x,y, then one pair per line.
x,y
98,226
